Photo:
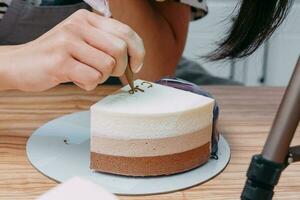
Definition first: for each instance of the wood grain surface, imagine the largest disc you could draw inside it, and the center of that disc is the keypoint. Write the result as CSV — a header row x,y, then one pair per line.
x,y
246,117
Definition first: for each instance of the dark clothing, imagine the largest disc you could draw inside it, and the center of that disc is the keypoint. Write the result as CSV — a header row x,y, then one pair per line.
x,y
24,22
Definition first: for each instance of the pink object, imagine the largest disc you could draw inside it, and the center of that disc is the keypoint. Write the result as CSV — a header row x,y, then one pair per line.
x,y
77,189
102,6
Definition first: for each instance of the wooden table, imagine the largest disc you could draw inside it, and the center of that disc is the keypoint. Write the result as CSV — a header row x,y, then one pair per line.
x,y
246,116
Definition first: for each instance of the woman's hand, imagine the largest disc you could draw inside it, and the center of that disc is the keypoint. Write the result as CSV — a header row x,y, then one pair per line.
x,y
85,49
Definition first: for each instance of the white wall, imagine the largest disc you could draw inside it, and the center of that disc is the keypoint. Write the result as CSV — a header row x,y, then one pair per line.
x,y
284,49
284,46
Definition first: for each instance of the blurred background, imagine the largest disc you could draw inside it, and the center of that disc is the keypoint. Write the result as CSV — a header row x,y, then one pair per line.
x,y
271,65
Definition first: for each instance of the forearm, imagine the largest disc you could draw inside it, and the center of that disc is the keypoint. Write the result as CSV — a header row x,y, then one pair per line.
x,y
163,41
5,82
6,49
6,61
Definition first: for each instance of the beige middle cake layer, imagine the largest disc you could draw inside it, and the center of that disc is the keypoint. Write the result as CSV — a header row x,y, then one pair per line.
x,y
150,147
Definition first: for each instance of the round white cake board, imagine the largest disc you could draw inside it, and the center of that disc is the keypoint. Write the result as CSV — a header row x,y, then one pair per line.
x,y
60,150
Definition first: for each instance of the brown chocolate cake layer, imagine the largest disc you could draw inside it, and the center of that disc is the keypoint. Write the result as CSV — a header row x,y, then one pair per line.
x,y
151,166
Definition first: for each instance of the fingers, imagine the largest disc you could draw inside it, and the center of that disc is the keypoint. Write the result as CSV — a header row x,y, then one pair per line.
x,y
110,45
134,43
83,76
93,58
98,47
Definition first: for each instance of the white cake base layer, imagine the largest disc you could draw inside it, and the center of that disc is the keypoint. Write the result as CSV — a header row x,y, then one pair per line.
x,y
150,147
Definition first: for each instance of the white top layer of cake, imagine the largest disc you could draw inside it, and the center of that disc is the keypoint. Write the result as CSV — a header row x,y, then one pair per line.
x,y
157,112
157,99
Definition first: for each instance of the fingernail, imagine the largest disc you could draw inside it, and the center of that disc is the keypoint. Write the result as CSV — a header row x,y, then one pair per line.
x,y
138,68
78,84
100,75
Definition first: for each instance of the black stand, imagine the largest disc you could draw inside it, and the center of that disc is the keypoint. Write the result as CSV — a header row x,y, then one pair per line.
x,y
265,169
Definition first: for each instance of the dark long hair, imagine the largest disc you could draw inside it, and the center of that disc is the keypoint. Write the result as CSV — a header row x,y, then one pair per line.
x,y
255,22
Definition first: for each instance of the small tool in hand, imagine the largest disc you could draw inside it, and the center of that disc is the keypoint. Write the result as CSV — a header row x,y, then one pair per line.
x,y
102,7
129,77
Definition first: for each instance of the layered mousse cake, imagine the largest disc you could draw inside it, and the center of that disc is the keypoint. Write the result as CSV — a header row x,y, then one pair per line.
x,y
153,130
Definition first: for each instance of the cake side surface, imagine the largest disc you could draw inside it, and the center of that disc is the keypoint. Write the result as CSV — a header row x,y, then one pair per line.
x,y
156,131
158,112
150,147
150,127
